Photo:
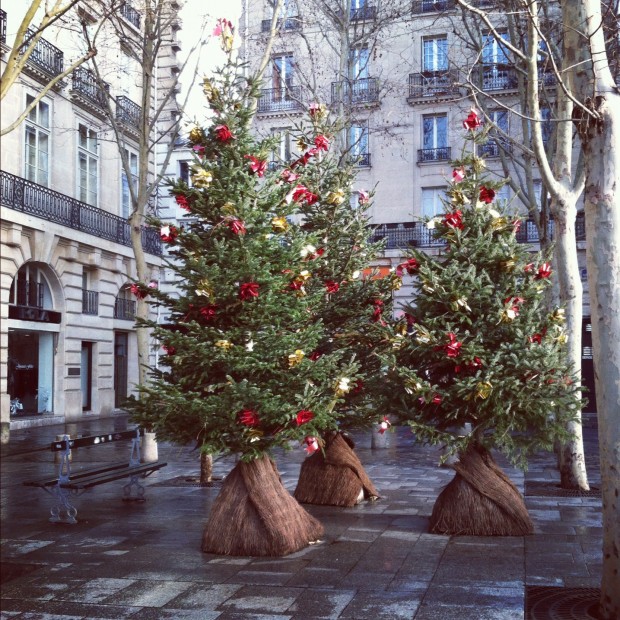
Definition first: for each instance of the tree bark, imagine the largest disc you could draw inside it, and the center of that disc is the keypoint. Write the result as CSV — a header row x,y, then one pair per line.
x,y
598,123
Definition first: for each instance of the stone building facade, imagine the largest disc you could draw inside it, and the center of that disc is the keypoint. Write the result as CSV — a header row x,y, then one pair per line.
x,y
403,74
67,339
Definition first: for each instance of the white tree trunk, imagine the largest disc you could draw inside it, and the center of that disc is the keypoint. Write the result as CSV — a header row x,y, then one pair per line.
x,y
598,122
603,250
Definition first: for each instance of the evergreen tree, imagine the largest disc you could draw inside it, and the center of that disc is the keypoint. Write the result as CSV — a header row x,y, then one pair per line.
x,y
247,368
481,363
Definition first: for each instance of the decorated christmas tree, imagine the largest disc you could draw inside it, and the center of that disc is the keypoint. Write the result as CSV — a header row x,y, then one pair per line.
x,y
352,308
481,362
246,370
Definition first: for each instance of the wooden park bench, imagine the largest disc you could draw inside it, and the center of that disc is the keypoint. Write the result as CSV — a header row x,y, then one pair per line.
x,y
73,483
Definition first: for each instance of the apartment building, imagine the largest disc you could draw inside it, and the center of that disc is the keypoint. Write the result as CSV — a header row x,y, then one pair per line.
x,y
402,73
67,339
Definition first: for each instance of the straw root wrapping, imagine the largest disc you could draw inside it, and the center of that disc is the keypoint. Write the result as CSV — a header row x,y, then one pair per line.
x,y
334,478
254,515
480,501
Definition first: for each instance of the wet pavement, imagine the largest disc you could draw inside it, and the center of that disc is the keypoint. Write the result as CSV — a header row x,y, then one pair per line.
x,y
376,560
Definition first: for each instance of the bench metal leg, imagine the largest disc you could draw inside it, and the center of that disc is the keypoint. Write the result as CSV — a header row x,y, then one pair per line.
x,y
134,490
64,511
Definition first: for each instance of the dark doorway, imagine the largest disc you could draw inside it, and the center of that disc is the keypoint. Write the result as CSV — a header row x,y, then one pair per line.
x,y
86,374
120,368
587,365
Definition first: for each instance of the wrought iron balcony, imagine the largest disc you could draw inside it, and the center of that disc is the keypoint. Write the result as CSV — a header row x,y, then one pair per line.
x,y
44,56
280,99
85,85
128,112
288,23
546,76
432,6
433,84
400,236
439,154
493,148
90,302
364,90
498,77
130,14
2,26
124,309
22,195
26,293
361,159
363,13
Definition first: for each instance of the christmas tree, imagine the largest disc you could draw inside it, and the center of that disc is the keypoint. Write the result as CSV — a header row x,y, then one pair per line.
x,y
352,307
481,362
246,370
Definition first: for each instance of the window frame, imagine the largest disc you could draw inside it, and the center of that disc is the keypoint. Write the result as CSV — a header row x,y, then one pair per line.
x,y
91,157
33,125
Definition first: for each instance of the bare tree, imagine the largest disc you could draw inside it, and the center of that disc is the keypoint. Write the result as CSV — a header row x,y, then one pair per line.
x,y
157,119
27,39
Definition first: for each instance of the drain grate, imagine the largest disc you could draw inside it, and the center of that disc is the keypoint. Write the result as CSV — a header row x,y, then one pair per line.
x,y
188,481
551,489
549,603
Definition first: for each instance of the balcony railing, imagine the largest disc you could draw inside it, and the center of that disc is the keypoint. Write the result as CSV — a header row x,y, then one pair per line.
x,y
128,112
130,14
28,197
124,309
364,90
415,234
280,99
361,159
498,77
439,154
2,26
85,84
366,12
433,84
44,56
492,148
27,293
432,6
90,302
288,23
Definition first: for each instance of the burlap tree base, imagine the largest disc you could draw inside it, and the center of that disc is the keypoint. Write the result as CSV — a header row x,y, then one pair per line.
x,y
254,515
480,501
336,478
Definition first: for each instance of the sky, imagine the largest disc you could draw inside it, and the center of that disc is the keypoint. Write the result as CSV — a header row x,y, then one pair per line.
x,y
193,14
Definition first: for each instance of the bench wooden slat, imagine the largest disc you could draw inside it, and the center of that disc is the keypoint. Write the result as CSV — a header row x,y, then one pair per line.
x,y
77,474
94,440
110,476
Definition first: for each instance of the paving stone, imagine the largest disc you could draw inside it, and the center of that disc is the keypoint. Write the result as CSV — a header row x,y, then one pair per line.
x,y
145,593
382,605
261,600
314,603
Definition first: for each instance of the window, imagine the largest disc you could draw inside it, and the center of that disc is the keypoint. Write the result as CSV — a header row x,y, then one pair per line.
x,y
88,165
184,175
288,9
546,124
493,52
432,198
282,74
499,118
435,135
358,63
126,207
282,152
435,54
358,142
37,142
504,194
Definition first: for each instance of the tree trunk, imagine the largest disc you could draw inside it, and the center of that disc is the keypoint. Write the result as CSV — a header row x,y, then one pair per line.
x,y
254,515
334,478
206,468
571,458
598,123
603,250
480,501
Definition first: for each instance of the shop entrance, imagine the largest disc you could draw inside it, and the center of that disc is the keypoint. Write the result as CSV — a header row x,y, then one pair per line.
x,y
120,368
31,372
